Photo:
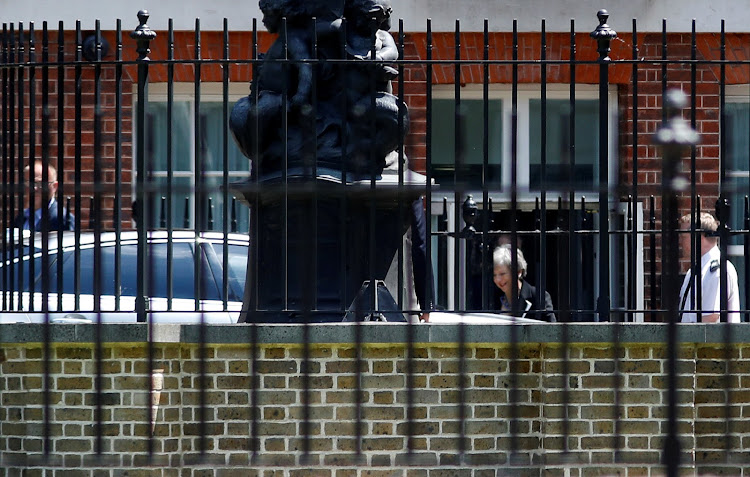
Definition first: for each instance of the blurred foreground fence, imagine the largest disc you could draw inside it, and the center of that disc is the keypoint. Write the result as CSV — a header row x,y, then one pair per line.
x,y
539,140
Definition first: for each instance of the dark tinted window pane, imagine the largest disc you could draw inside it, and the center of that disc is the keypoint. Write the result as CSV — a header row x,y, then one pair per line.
x,y
13,283
181,135
237,268
182,272
737,124
472,129
212,131
558,170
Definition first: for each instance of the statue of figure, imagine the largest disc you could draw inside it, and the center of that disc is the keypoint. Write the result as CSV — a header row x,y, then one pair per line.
x,y
374,111
256,124
351,122
323,97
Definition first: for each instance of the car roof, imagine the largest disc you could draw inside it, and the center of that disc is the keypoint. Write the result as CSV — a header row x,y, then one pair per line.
x,y
107,239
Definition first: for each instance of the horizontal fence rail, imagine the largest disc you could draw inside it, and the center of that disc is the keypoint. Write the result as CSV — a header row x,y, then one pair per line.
x,y
568,155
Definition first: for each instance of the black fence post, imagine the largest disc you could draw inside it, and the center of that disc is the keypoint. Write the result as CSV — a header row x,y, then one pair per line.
x,y
674,137
603,35
143,36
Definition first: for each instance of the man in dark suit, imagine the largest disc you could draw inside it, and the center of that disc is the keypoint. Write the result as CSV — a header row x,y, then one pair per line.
x,y
34,221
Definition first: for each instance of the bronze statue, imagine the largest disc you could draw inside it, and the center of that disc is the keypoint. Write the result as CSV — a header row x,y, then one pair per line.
x,y
321,112
342,114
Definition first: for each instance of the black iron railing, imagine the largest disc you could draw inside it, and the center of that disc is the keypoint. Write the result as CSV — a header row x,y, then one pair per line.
x,y
116,143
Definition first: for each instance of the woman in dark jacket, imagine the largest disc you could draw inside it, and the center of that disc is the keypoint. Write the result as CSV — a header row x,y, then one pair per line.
x,y
528,297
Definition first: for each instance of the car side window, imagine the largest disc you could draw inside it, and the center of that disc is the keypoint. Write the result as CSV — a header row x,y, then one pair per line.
x,y
182,271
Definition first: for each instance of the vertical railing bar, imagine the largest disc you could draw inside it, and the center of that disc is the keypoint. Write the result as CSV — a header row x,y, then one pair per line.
x,y
428,147
603,302
664,77
664,64
32,165
254,439
170,164
673,136
285,162
20,164
16,177
604,35
225,162
199,222
142,37
186,214
6,196
410,368
515,304
722,200
514,338
746,238
47,331
694,198
344,299
97,272
428,173
309,267
723,217
117,215
404,289
697,291
566,315
634,193
746,254
486,246
233,218
144,267
373,174
9,145
652,256
60,155
459,151
541,282
78,163
198,185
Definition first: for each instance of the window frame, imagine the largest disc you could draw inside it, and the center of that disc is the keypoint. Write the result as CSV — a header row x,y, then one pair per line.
x,y
211,92
736,252
525,93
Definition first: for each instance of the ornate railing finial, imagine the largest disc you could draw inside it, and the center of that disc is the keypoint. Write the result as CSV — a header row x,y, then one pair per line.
x,y
676,134
469,210
143,36
603,35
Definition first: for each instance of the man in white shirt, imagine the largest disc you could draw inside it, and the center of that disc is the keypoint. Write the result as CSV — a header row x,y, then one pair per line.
x,y
710,304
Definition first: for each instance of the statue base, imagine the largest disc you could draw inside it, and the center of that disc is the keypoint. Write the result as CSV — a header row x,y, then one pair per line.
x,y
316,241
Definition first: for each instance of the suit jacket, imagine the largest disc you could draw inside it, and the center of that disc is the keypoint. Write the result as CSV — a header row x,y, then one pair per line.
x,y
528,306
68,219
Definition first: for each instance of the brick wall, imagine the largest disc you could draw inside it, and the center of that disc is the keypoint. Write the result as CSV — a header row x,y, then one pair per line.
x,y
532,373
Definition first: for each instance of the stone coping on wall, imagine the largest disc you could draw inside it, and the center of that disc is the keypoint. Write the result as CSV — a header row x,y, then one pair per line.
x,y
373,334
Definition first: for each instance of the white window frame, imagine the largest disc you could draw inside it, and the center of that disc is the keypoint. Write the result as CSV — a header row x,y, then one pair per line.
x,y
738,93
210,92
525,93
525,197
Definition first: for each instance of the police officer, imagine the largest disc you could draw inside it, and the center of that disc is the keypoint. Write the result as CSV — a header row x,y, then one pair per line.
x,y
709,305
